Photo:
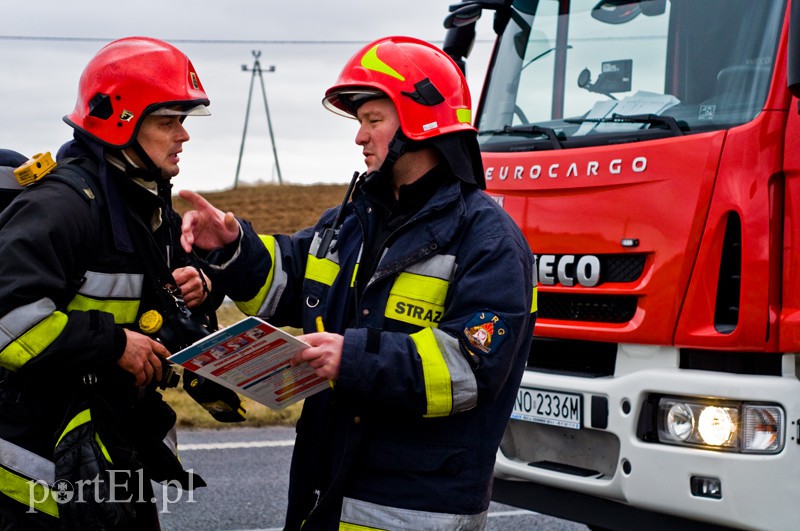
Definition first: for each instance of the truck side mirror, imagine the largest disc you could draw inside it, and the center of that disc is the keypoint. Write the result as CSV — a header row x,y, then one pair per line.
x,y
460,24
463,15
458,43
653,8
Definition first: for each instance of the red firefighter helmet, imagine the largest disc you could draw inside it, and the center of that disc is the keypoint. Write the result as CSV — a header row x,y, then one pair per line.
x,y
426,86
127,80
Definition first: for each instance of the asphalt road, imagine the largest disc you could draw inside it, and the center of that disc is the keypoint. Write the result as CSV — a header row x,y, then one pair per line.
x,y
247,471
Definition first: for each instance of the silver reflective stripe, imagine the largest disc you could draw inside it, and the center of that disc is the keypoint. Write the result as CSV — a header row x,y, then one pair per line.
x,y
279,281
265,301
464,387
26,463
171,441
233,258
438,266
357,514
112,285
312,250
19,320
442,266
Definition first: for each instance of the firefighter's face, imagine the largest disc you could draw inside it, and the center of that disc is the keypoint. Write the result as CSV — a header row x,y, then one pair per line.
x,y
162,138
378,123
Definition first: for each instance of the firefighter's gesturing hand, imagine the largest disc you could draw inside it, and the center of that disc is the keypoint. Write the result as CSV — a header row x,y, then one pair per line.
x,y
205,225
194,288
142,357
324,356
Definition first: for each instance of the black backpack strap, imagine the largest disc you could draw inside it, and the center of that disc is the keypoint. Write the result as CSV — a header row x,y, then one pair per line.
x,y
79,174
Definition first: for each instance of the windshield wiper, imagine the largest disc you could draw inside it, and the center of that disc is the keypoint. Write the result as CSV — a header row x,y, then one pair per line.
x,y
651,119
549,132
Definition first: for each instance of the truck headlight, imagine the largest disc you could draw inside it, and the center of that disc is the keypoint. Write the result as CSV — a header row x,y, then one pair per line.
x,y
680,421
732,426
716,425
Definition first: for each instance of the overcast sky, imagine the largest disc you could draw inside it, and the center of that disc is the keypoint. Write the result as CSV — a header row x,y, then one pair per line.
x,y
307,41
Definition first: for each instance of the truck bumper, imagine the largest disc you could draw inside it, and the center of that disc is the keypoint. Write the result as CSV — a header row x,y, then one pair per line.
x,y
604,470
589,510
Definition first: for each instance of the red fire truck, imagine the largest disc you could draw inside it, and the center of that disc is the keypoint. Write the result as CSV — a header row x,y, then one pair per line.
x,y
650,152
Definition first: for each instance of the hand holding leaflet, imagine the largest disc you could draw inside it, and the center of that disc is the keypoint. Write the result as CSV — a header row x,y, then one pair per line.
x,y
320,328
253,358
324,354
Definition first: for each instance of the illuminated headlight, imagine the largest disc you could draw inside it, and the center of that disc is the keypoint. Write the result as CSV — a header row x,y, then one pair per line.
x,y
732,426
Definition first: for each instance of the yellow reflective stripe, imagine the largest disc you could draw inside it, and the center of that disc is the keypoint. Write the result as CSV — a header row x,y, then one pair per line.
x,y
27,492
463,386
252,306
423,288
114,293
435,372
535,300
33,342
344,526
321,269
78,420
417,299
371,61
124,312
103,448
464,116
413,311
355,274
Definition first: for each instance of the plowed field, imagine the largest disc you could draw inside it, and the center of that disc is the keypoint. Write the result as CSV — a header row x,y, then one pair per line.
x,y
276,209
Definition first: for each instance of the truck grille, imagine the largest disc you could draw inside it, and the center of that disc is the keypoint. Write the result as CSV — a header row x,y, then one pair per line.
x,y
593,308
597,308
623,267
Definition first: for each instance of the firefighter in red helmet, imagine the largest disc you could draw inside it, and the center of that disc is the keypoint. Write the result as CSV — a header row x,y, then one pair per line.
x,y
427,293
431,99
88,249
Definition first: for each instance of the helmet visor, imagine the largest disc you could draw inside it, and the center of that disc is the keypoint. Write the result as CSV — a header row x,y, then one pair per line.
x,y
182,110
346,102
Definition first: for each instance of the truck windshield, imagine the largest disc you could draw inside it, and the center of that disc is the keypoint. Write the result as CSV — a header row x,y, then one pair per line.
x,y
578,72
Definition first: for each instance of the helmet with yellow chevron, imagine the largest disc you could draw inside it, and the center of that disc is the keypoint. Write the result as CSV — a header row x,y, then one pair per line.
x,y
426,86
429,92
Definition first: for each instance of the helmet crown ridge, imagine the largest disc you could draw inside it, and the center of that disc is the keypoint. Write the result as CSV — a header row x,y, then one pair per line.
x,y
128,79
426,86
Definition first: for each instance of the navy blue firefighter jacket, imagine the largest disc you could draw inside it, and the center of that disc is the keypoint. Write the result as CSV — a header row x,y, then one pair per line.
x,y
435,344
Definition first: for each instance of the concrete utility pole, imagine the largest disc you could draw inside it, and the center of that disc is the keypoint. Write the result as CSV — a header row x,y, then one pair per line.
x,y
257,70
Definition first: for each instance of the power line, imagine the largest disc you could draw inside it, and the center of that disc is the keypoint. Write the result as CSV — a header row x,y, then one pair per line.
x,y
49,38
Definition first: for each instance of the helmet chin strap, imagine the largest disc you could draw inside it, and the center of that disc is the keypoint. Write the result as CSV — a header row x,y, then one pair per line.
x,y
150,172
398,146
